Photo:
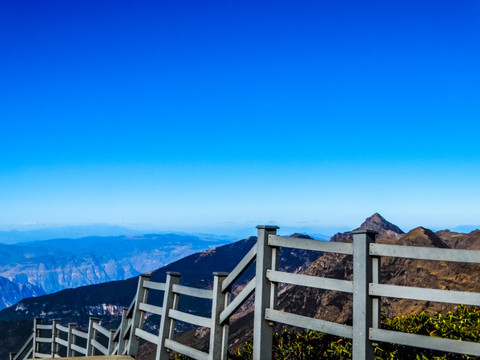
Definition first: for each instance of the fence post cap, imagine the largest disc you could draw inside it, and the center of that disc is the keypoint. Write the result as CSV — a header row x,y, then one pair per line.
x,y
220,273
268,227
173,273
364,231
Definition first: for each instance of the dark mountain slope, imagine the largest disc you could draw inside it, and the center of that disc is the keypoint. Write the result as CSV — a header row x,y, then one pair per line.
x,y
455,240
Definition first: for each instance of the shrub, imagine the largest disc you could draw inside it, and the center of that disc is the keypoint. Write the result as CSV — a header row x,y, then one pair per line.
x,y
461,324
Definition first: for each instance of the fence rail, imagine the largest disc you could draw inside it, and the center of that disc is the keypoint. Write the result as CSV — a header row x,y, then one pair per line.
x,y
365,287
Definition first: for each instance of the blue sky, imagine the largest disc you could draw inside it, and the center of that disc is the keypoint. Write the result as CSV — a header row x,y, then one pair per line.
x,y
201,115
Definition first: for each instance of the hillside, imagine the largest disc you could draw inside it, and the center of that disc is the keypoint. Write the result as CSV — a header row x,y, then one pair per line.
x,y
456,240
337,306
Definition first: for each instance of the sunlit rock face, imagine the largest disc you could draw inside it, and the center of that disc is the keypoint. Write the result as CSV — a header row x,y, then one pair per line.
x,y
13,292
43,267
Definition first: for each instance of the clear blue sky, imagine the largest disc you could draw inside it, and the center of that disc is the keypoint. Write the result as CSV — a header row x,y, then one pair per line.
x,y
202,114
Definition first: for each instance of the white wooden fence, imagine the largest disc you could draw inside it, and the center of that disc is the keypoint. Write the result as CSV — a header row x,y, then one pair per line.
x,y
365,287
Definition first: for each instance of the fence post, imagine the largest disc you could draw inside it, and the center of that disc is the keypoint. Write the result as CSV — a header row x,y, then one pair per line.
x,y
121,336
71,339
218,333
167,326
54,347
92,334
137,316
262,330
376,318
362,302
111,343
36,334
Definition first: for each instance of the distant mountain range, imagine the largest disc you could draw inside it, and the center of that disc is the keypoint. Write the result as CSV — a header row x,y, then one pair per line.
x,y
28,233
37,232
43,267
106,300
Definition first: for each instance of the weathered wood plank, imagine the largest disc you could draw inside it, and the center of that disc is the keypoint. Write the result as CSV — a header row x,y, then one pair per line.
x,y
62,328
427,342
101,329
238,301
79,349
44,327
99,347
191,291
309,323
425,253
158,310
79,333
310,281
310,244
154,285
186,350
43,356
29,353
189,318
147,336
101,357
61,341
43,340
238,270
414,293
129,313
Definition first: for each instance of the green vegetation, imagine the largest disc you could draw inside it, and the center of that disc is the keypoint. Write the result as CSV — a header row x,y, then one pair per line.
x,y
462,324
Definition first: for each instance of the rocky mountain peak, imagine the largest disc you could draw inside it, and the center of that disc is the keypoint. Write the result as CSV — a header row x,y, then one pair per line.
x,y
300,236
378,223
375,222
421,236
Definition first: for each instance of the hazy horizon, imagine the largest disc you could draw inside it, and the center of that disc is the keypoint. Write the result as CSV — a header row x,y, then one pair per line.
x,y
38,232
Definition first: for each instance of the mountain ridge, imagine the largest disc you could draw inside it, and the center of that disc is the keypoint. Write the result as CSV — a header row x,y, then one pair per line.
x,y
376,222
105,300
